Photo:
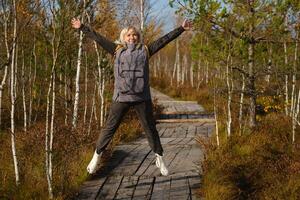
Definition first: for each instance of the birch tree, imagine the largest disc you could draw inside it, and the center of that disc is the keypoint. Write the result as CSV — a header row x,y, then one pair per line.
x,y
50,107
13,92
8,55
77,86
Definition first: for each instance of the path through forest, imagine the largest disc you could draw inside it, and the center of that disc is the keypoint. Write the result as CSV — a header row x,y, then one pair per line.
x,y
132,174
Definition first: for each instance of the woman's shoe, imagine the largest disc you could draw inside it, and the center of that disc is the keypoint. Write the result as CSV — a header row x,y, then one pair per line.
x,y
94,163
161,165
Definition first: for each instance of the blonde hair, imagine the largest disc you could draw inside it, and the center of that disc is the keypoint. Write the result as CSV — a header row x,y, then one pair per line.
x,y
125,30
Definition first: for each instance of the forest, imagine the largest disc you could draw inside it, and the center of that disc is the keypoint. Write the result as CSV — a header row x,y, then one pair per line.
x,y
240,61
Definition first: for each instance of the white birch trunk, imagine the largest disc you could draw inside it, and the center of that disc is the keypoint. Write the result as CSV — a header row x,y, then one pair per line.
x,y
13,97
174,71
23,91
47,141
1,91
184,69
177,60
102,112
3,82
294,72
85,90
142,18
52,127
101,85
241,103
286,95
206,72
192,73
286,76
77,86
295,117
49,133
55,40
229,88
32,85
16,69
269,65
92,110
66,98
216,119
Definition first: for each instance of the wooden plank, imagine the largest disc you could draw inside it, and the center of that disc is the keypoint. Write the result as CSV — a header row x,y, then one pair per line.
x,y
90,189
185,120
169,133
194,182
152,170
131,173
132,161
110,188
127,188
191,131
180,162
161,188
145,164
144,187
179,187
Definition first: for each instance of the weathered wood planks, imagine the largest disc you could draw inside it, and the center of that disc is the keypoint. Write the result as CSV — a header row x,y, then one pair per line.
x,y
132,174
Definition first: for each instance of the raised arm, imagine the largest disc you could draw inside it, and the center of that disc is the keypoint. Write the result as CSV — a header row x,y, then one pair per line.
x,y
163,41
101,40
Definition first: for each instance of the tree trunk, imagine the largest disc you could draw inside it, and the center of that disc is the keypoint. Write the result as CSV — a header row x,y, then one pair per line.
x,y
269,67
192,73
252,90
3,82
52,127
295,117
286,95
241,104
142,18
47,141
66,98
85,90
229,93
286,65
32,84
216,118
92,110
178,65
101,84
13,96
294,72
77,86
23,91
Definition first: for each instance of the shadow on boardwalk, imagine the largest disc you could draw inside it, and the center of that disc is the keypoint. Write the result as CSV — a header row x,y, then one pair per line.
x,y
131,173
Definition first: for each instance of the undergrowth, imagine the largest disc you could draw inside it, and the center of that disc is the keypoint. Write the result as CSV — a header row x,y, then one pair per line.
x,y
72,151
260,163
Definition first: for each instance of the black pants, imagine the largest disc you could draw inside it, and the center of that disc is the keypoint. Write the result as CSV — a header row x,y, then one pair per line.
x,y
145,114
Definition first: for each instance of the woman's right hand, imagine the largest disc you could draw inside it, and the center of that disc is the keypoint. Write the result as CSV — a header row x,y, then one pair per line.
x,y
76,23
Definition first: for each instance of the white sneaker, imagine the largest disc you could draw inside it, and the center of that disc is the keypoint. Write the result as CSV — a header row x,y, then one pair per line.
x,y
94,164
161,165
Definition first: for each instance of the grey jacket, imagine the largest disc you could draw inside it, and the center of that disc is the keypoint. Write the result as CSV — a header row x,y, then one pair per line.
x,y
131,65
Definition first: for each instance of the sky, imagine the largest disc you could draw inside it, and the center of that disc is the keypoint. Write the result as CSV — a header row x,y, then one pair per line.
x,y
162,11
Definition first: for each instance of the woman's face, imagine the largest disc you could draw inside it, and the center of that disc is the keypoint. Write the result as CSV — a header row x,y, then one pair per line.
x,y
131,37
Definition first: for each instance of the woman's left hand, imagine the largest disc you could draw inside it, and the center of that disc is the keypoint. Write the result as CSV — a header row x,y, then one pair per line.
x,y
187,24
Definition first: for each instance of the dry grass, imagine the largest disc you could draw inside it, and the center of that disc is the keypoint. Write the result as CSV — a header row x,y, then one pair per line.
x,y
72,151
261,164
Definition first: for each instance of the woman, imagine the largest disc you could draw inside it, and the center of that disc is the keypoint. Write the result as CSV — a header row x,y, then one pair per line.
x,y
131,86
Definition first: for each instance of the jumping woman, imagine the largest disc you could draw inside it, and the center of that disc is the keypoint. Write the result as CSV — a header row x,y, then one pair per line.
x,y
131,86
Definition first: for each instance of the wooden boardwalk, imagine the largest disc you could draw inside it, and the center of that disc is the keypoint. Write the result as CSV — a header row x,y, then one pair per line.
x,y
132,174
